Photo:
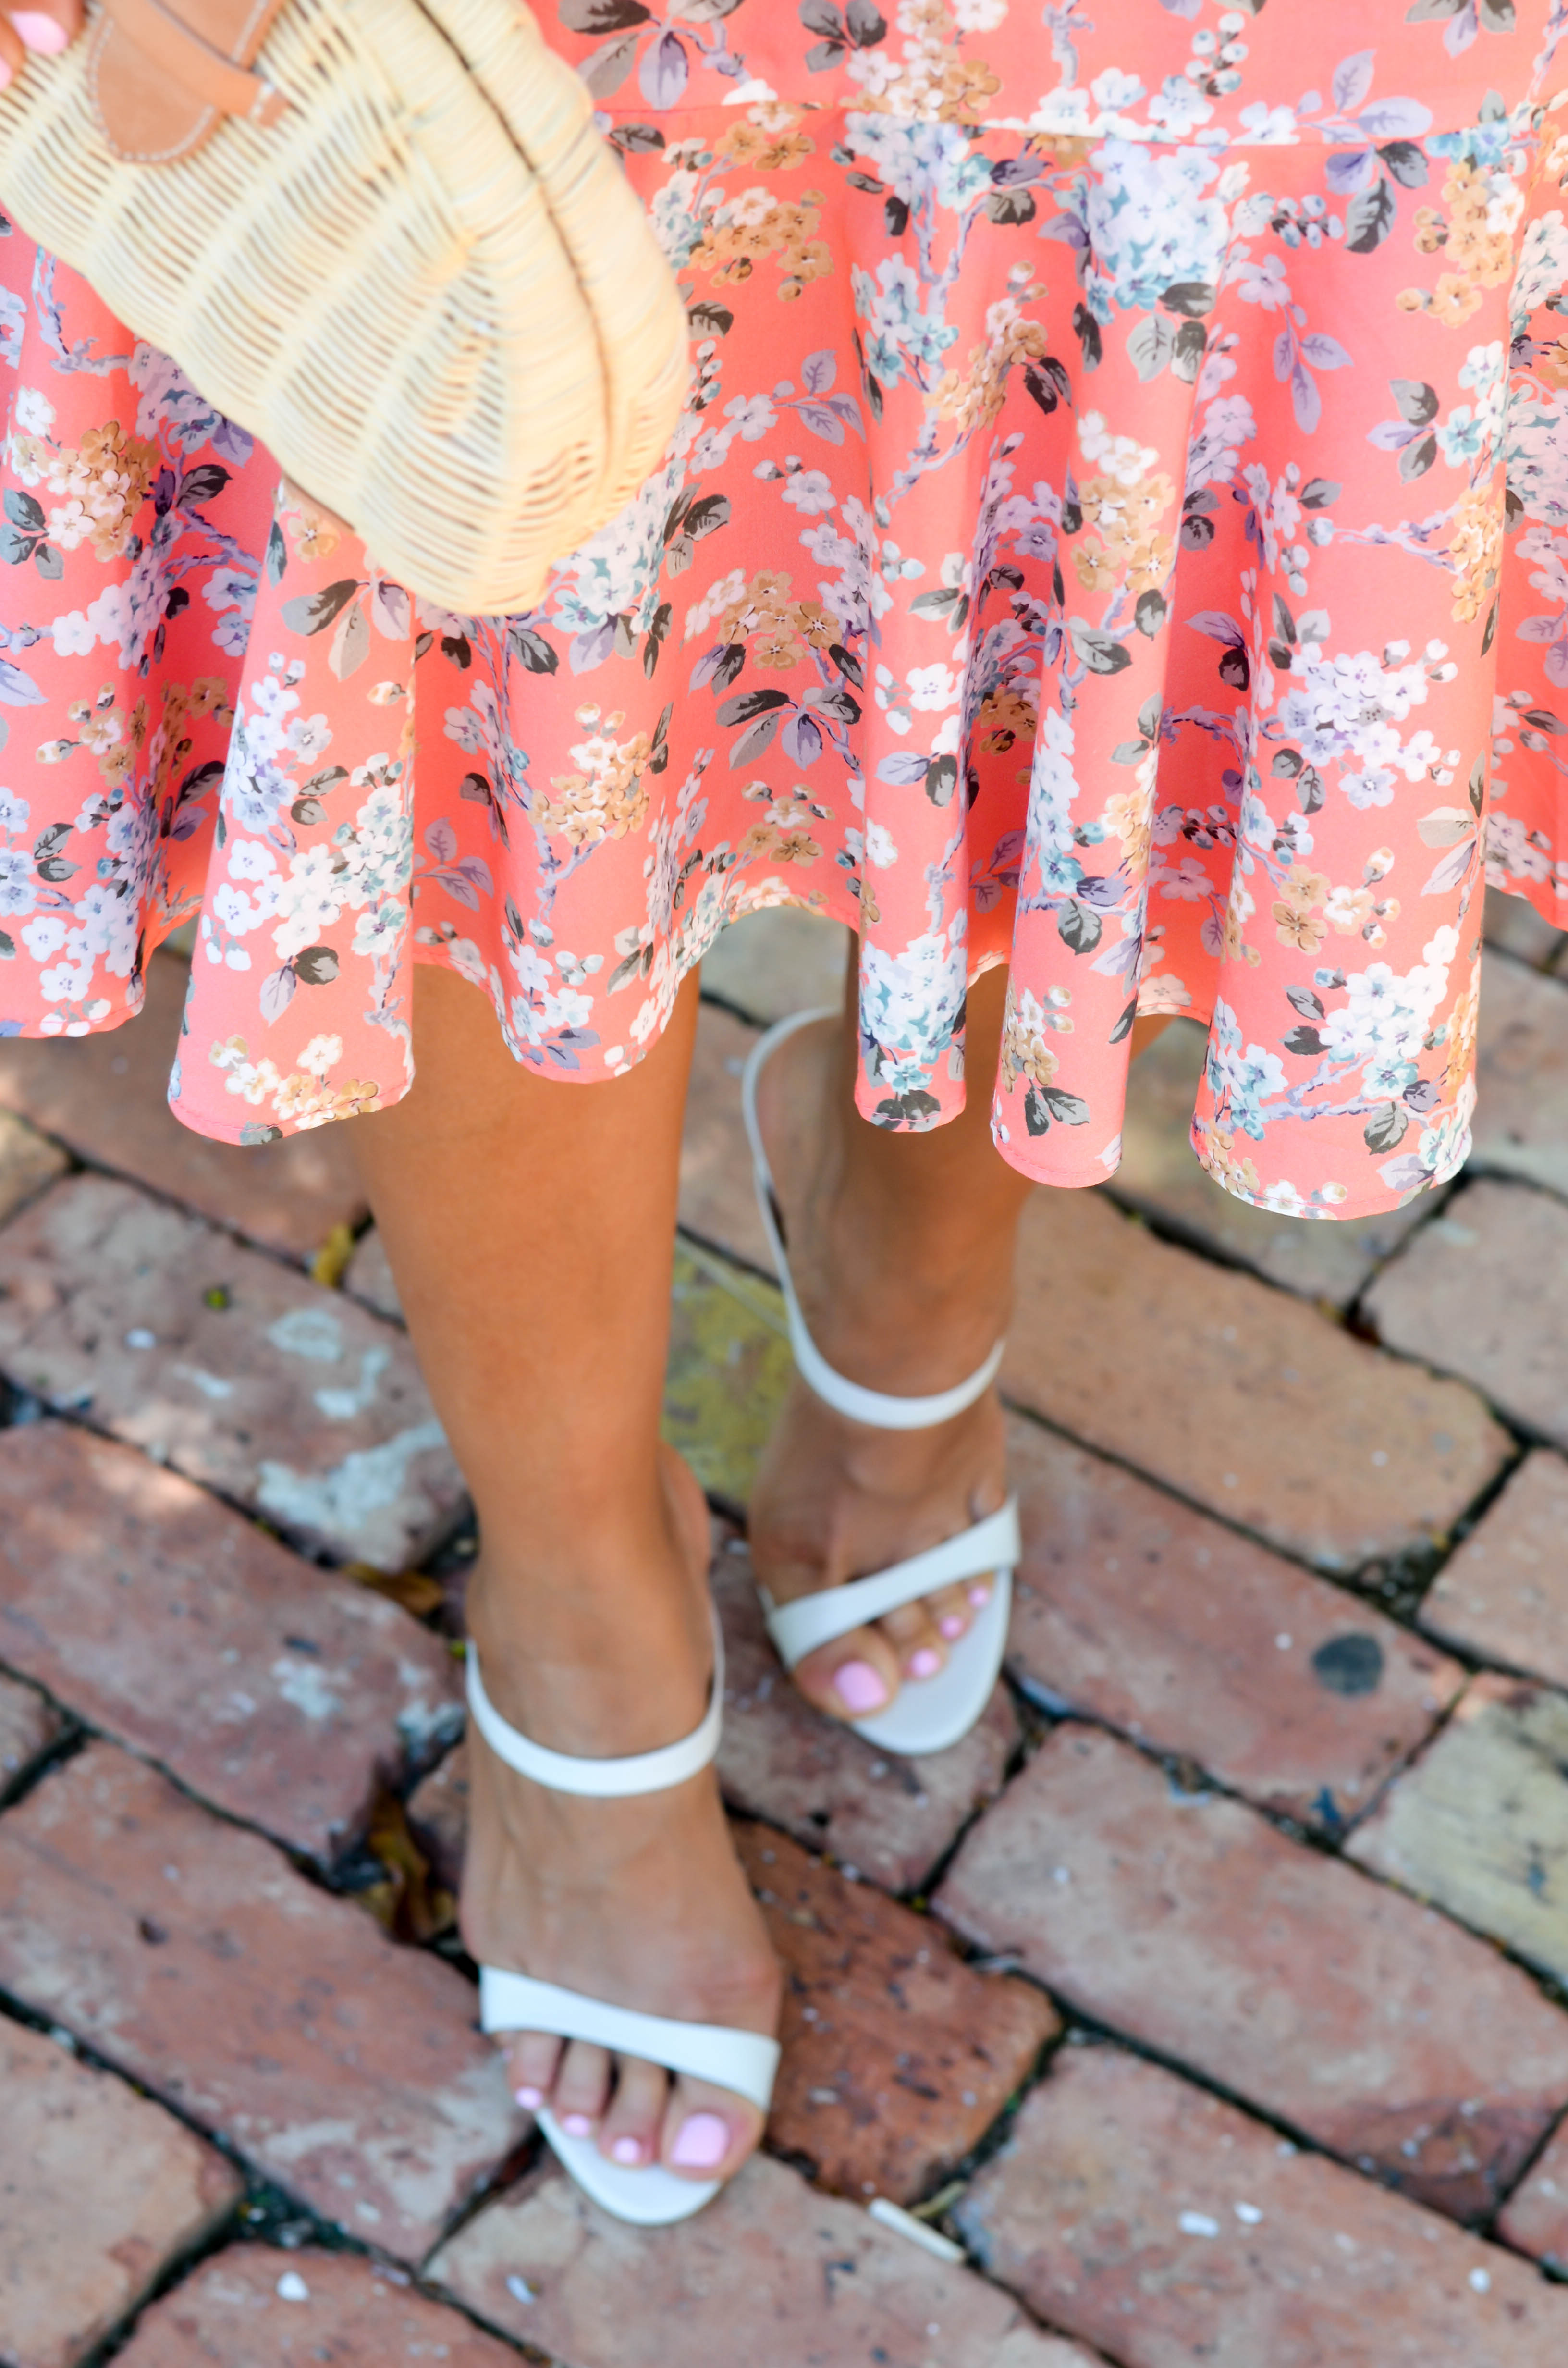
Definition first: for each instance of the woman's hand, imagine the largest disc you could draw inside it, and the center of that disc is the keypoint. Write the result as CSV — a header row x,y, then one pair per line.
x,y
46,27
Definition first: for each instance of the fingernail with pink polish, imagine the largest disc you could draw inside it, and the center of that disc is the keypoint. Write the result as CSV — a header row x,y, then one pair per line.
x,y
576,2125
859,1688
951,1625
531,2100
627,2150
979,1595
701,2142
925,1663
37,32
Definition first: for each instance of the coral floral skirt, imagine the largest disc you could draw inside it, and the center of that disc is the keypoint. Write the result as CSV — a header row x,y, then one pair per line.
x,y
1119,530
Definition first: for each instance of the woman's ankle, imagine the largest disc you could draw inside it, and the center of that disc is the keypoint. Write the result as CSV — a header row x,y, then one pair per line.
x,y
600,1626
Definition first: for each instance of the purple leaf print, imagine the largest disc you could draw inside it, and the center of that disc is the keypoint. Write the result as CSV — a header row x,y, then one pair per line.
x,y
822,421
903,768
1219,627
1305,400
662,76
801,740
591,649
277,992
1349,169
1462,31
1353,80
1395,119
819,370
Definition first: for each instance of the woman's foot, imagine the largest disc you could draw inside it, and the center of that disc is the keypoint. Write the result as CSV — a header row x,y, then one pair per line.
x,y
637,1902
897,1304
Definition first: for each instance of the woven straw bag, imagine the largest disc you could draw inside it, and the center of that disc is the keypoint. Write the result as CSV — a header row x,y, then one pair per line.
x,y
384,236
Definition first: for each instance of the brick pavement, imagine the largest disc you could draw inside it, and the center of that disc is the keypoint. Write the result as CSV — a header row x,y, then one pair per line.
x,y
1198,2003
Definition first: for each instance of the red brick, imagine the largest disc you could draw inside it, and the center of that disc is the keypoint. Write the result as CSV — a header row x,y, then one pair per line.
x,y
897,2055
250,2308
781,1760
29,1724
28,1162
1504,1593
1160,1174
290,1399
369,1277
1521,1115
1169,2228
106,1095
771,2273
1536,2217
780,959
718,1199
1188,1923
189,1954
1135,1609
1240,1397
99,2191
268,1687
1477,1823
437,1811
1483,1292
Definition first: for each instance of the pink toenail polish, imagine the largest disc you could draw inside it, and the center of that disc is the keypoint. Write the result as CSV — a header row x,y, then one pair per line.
x,y
577,2125
531,2100
40,32
627,2150
701,2142
979,1597
925,1663
952,1624
859,1688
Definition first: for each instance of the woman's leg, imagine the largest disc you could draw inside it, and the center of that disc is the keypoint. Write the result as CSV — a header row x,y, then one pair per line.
x,y
901,1248
530,1226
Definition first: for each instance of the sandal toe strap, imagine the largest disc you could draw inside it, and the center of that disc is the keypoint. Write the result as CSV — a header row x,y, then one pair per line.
x,y
798,1628
741,2061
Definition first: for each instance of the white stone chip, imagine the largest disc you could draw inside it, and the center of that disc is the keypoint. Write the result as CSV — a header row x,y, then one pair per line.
x,y
1198,2223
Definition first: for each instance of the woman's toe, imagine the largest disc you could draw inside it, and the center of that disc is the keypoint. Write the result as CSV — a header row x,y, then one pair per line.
x,y
916,1639
853,1677
582,2088
628,2133
533,2058
950,1609
707,2133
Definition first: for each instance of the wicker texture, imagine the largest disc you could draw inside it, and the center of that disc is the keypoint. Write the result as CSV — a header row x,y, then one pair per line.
x,y
428,290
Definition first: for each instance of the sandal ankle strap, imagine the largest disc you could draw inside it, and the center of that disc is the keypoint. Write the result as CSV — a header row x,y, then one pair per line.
x,y
876,1409
641,1771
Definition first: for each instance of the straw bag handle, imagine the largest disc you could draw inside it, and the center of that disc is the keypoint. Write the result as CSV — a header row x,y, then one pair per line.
x,y
160,87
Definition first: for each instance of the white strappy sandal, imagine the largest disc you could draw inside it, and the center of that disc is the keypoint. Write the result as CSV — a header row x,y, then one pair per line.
x,y
741,2061
928,1714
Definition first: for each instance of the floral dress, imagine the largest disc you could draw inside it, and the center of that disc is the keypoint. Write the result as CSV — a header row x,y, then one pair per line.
x,y
1119,530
